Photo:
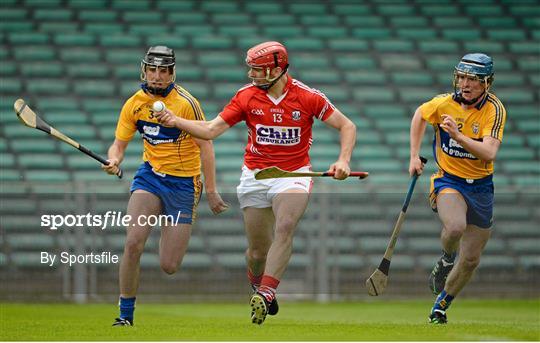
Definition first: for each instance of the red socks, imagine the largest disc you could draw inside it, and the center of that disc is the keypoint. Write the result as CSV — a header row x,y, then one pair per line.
x,y
254,280
268,287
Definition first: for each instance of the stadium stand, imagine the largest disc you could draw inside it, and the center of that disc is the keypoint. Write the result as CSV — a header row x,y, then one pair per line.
x,y
75,61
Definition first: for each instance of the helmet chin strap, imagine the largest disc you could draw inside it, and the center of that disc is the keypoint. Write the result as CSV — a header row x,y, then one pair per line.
x,y
157,91
269,85
459,98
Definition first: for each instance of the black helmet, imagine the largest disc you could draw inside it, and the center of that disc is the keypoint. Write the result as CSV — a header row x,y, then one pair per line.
x,y
161,57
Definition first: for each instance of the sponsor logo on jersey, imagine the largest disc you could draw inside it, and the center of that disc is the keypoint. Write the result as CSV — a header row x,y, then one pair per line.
x,y
452,148
454,144
277,110
155,134
296,115
277,135
257,111
151,130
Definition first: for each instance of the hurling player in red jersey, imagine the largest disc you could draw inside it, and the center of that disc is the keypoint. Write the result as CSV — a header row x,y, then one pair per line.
x,y
279,112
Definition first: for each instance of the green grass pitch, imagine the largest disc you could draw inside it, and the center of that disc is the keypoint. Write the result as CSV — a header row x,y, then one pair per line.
x,y
376,320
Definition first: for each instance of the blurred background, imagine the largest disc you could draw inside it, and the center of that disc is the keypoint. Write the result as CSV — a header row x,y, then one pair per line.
x,y
76,61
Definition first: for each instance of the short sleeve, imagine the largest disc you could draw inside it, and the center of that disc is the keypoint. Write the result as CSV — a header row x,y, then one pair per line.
x,y
495,122
320,106
429,110
126,127
233,113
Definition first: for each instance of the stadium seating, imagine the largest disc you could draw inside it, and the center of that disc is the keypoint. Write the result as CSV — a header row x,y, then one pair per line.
x,y
75,61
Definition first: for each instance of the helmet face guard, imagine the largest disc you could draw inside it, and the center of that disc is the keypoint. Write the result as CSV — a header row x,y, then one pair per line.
x,y
158,58
269,80
478,67
267,56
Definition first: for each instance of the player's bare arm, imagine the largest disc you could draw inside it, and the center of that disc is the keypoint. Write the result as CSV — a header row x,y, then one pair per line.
x,y
115,156
485,150
418,128
200,129
347,133
216,204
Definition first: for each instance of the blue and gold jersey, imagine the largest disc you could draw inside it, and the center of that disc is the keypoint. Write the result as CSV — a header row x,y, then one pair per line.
x,y
167,149
485,119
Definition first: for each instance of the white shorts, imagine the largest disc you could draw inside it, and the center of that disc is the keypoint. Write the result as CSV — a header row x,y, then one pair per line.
x,y
260,193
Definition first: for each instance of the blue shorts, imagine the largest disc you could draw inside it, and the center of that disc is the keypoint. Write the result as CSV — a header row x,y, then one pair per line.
x,y
179,195
478,195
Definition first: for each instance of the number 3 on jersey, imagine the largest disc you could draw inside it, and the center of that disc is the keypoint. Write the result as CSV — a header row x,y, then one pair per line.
x,y
277,118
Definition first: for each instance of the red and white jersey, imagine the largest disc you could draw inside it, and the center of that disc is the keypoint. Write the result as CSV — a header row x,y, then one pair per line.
x,y
279,130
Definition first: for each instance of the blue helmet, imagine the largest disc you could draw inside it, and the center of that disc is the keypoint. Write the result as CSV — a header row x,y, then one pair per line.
x,y
477,64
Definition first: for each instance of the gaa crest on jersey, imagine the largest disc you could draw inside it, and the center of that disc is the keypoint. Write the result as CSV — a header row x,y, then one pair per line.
x,y
475,128
296,115
257,111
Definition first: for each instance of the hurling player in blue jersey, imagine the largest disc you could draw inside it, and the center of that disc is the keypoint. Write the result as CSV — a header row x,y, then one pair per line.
x,y
468,127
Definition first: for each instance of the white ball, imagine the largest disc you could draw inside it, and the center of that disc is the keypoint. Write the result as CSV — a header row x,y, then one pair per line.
x,y
159,106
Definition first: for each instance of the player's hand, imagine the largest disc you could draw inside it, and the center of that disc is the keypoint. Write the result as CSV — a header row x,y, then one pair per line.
x,y
216,204
341,170
416,166
450,126
113,166
166,118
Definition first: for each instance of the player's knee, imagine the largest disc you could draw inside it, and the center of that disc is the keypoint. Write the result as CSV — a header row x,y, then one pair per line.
x,y
169,267
133,249
257,254
285,229
470,263
284,238
455,230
